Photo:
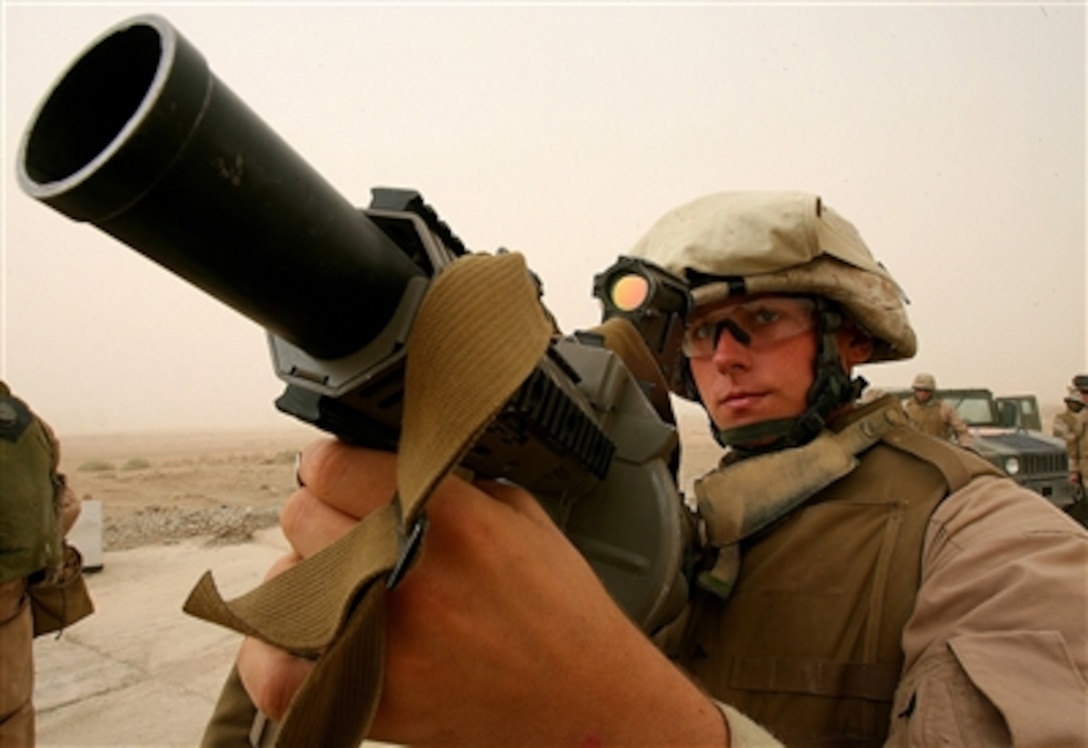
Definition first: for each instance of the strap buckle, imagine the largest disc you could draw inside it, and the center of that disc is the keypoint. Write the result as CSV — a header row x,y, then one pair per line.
x,y
409,544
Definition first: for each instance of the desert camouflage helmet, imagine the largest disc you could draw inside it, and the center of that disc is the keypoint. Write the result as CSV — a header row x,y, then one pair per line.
x,y
924,382
781,242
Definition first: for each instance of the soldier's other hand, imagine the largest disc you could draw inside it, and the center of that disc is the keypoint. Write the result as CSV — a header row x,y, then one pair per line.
x,y
338,485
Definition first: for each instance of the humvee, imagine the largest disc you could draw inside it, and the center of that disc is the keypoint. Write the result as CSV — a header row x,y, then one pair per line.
x,y
1007,431
1019,411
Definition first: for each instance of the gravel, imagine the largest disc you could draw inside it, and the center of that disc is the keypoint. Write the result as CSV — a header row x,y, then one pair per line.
x,y
155,525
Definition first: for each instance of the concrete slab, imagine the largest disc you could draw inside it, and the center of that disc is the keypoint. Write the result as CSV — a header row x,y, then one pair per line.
x,y
139,671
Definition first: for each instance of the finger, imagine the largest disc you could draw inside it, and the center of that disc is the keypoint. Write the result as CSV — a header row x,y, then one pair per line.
x,y
310,524
354,480
271,676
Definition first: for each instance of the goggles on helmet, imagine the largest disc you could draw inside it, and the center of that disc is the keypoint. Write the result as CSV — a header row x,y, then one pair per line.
x,y
757,323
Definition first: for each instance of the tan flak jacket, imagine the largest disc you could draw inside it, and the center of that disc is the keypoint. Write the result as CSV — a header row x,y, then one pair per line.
x,y
996,649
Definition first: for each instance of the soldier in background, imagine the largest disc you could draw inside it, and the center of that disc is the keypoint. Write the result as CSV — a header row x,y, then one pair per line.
x,y
933,416
1069,426
41,583
1079,462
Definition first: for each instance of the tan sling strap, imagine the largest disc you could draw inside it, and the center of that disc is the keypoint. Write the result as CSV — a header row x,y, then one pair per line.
x,y
741,499
477,336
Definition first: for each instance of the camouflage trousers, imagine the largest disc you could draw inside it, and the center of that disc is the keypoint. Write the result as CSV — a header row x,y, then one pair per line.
x,y
16,666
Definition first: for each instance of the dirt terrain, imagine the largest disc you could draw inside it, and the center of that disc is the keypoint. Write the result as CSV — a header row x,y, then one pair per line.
x,y
163,487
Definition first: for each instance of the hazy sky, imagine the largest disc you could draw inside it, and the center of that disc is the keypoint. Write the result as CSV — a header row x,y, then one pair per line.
x,y
953,136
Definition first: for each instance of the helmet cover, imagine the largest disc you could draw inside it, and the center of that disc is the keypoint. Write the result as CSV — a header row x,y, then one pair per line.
x,y
781,242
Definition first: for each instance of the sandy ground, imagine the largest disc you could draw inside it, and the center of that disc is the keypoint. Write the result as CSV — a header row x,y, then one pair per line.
x,y
168,486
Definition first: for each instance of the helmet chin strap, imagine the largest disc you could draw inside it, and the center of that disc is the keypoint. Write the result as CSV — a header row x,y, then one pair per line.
x,y
831,389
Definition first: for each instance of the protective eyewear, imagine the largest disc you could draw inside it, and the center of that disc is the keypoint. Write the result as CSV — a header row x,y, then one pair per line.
x,y
757,324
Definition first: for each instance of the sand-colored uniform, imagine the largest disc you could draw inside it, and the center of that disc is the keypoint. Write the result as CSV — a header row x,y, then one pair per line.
x,y
921,599
1069,427
938,418
36,509
1082,442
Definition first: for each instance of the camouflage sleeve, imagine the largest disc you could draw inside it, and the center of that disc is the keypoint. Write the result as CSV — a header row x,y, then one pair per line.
x,y
1060,428
1078,445
1067,430
67,504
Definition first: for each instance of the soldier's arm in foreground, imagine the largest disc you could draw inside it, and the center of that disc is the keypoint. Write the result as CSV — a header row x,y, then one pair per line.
x,y
501,634
996,651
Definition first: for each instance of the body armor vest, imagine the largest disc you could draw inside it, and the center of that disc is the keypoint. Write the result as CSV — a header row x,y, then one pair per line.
x,y
808,643
30,538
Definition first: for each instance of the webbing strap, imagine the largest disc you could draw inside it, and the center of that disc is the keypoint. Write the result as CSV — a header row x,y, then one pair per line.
x,y
478,334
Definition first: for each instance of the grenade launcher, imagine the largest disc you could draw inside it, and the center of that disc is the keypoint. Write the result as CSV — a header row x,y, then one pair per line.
x,y
139,138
